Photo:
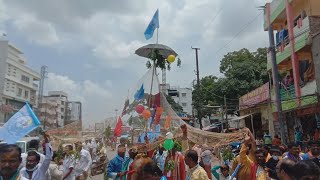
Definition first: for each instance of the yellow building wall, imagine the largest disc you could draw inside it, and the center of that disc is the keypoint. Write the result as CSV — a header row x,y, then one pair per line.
x,y
315,7
312,7
299,5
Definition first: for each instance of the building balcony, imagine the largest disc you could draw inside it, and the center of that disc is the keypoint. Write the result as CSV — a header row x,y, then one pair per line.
x,y
288,97
277,8
301,34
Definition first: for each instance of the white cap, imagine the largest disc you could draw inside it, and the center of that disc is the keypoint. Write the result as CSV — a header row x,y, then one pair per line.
x,y
169,135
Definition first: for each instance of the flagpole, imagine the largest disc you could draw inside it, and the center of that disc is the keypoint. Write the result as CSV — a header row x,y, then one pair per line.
x,y
157,35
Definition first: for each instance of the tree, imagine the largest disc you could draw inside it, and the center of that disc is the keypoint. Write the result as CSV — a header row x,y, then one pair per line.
x,y
108,132
243,71
175,106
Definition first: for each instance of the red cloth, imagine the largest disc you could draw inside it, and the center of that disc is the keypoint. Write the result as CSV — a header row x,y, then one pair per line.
x,y
130,172
181,170
316,135
276,141
117,129
155,101
253,174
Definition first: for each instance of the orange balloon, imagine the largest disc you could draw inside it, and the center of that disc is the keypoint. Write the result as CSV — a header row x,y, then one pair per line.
x,y
159,111
146,114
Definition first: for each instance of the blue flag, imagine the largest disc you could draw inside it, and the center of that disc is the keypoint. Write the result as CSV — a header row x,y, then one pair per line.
x,y
154,23
19,125
139,94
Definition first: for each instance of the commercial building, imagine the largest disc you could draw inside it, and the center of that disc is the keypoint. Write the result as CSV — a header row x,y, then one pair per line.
x,y
296,24
47,113
18,82
56,100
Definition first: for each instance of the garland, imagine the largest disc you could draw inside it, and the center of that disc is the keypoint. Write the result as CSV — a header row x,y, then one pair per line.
x,y
170,165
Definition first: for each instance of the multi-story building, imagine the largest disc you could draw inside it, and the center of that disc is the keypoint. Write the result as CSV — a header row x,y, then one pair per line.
x,y
47,112
182,96
60,99
296,24
18,83
73,113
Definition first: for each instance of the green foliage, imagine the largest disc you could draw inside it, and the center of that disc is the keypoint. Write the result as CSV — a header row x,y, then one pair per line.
x,y
170,165
227,154
175,106
243,72
59,152
160,61
108,132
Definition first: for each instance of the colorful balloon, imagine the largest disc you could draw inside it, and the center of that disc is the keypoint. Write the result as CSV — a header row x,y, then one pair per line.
x,y
139,108
146,114
159,111
168,144
171,58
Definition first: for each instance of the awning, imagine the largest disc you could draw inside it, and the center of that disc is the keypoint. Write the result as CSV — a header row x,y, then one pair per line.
x,y
240,117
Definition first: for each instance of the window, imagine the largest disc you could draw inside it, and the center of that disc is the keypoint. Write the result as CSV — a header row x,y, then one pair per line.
x,y
26,94
62,117
19,92
25,78
184,104
184,94
62,109
62,102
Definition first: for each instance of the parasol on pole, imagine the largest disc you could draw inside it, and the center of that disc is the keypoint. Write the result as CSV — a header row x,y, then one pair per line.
x,y
163,50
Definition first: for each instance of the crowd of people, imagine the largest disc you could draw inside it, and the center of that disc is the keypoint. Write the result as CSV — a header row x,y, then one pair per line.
x,y
256,161
73,164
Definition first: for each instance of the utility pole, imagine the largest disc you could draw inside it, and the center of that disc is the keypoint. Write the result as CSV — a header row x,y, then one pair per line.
x,y
275,76
226,111
198,106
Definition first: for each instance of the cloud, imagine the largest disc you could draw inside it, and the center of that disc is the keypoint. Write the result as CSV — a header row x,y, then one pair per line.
x,y
92,95
101,36
40,32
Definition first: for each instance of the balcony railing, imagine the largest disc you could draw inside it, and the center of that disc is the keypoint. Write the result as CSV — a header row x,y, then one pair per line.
x,y
287,93
300,31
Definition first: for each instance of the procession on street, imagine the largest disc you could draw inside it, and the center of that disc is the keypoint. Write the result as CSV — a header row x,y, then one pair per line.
x,y
256,116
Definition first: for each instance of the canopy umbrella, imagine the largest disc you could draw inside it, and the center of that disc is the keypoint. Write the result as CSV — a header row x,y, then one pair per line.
x,y
163,50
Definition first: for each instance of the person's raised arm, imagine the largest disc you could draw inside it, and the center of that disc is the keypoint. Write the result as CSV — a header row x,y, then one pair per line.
x,y
45,164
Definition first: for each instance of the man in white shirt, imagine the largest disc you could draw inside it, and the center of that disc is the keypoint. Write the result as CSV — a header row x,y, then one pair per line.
x,y
68,164
33,146
83,164
94,149
35,170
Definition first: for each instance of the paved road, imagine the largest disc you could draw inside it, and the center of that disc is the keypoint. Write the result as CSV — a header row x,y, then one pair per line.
x,y
97,177
110,154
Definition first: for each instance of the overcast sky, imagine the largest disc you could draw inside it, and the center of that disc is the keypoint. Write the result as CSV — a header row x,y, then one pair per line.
x,y
89,46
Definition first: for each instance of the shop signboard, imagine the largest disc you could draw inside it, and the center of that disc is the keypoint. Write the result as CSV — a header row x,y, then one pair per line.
x,y
254,97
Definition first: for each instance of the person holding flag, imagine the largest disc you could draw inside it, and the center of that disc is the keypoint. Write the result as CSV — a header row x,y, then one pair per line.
x,y
35,170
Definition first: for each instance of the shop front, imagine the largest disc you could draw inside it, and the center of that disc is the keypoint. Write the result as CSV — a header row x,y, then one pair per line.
x,y
257,106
